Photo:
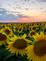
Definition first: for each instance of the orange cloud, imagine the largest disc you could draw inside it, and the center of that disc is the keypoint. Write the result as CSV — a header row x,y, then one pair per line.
x,y
26,20
32,19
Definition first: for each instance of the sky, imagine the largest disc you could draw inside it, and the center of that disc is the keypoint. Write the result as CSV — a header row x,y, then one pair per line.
x,y
14,9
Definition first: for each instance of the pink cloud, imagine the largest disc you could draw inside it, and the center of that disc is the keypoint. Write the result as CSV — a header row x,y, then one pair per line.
x,y
32,19
26,20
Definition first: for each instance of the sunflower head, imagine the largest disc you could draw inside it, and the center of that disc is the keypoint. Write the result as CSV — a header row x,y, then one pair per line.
x,y
18,45
3,38
37,51
45,31
40,44
7,31
20,42
32,33
40,48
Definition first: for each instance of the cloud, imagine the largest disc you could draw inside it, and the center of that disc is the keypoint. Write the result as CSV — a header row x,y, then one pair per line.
x,y
22,8
41,0
5,15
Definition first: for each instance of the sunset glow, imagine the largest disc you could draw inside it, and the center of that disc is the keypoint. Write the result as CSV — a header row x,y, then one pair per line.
x,y
22,10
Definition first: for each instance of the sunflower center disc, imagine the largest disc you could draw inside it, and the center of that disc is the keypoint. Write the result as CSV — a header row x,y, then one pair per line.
x,y
7,31
32,33
20,44
40,48
2,37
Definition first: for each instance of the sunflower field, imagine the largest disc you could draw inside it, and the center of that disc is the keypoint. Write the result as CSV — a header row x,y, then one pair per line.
x,y
23,41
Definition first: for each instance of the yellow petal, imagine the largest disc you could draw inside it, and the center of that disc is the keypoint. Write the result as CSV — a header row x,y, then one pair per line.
x,y
24,36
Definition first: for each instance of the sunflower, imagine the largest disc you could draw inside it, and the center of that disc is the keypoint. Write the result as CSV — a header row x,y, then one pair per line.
x,y
44,31
20,29
9,37
33,28
3,38
37,51
14,28
32,33
18,45
7,31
